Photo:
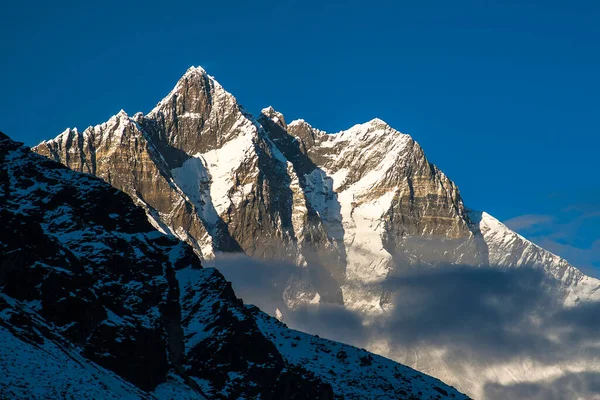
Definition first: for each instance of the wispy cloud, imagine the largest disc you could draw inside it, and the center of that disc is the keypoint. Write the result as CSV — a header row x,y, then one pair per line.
x,y
583,385
528,221
572,234
585,258
480,316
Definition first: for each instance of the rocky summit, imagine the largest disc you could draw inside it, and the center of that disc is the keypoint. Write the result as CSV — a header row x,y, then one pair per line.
x,y
351,208
96,303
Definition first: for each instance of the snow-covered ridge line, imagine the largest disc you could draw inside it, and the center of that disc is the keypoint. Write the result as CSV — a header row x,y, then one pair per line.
x,y
523,252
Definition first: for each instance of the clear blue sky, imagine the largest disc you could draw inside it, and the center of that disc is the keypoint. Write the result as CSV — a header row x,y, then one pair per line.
x,y
504,96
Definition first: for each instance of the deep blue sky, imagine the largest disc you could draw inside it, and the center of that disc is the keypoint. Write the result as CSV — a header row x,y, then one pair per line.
x,y
503,96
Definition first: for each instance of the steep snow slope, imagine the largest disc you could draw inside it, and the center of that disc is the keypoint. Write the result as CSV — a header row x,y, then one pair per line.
x,y
339,365
509,249
38,364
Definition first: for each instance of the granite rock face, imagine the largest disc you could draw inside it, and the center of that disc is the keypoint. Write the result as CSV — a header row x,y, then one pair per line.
x,y
90,292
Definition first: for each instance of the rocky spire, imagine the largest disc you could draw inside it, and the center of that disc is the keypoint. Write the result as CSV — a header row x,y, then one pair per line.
x,y
274,116
197,115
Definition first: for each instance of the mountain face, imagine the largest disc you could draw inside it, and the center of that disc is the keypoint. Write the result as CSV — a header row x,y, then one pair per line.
x,y
95,303
352,208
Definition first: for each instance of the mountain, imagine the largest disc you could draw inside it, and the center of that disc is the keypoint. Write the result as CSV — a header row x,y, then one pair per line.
x,y
209,173
95,303
353,209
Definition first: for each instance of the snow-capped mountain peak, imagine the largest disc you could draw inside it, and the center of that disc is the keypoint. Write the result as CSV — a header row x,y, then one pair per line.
x,y
196,70
376,122
274,115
